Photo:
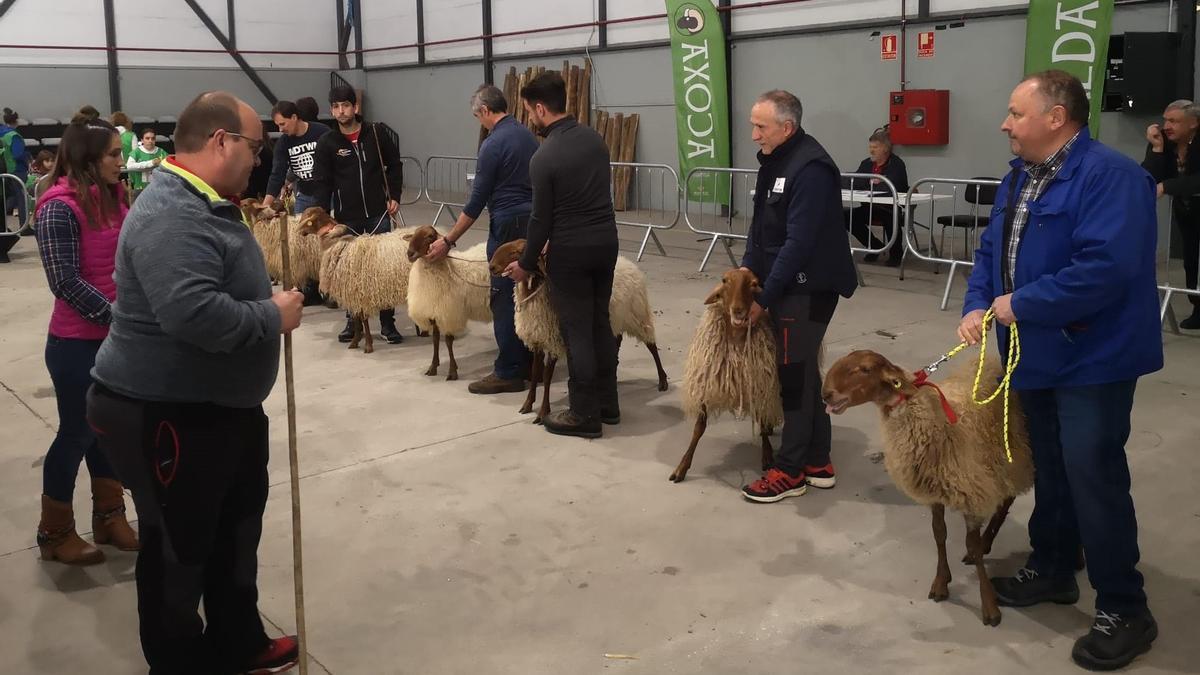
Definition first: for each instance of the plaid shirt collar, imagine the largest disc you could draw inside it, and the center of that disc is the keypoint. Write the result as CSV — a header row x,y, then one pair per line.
x,y
1054,163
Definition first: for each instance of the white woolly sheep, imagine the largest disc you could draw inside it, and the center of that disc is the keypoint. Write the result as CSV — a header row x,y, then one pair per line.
x,y
537,322
445,295
731,366
305,252
363,274
939,463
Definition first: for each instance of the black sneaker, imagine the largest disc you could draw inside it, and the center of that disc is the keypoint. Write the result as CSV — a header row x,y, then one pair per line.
x,y
610,415
567,423
347,333
389,333
1030,588
1115,641
1193,321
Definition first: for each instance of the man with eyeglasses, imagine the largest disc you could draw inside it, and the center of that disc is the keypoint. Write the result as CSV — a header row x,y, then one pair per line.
x,y
177,405
359,169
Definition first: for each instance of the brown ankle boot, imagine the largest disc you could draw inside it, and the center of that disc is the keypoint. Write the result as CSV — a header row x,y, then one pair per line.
x,y
109,525
58,539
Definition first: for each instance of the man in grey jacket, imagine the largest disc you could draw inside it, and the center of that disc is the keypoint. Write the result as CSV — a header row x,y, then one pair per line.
x,y
192,353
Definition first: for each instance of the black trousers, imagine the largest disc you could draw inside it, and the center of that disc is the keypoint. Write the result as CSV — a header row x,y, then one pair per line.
x,y
800,323
581,279
198,473
1189,231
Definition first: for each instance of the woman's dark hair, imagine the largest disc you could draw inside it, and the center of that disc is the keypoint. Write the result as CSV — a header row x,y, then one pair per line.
x,y
43,158
309,111
10,117
549,89
285,108
84,143
85,113
146,130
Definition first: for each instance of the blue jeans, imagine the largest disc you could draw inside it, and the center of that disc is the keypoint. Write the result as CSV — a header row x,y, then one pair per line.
x,y
1081,489
513,359
303,201
70,364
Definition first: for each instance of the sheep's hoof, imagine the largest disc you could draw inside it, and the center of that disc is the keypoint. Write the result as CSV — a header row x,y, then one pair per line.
x,y
992,618
662,385
968,559
526,409
938,594
451,377
537,420
368,350
432,371
677,477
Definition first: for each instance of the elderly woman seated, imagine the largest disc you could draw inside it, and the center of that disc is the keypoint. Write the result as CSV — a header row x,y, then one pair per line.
x,y
862,218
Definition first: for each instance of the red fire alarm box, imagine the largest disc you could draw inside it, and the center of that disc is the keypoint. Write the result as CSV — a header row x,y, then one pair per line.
x,y
920,117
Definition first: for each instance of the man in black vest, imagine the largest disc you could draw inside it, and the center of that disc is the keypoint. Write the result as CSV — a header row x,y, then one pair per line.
x,y
798,249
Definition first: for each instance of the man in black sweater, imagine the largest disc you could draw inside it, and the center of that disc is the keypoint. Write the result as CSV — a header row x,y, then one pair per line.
x,y
294,151
797,247
1173,158
573,213
362,167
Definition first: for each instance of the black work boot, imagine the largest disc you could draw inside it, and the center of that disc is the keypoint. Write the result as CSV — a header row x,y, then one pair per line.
x,y
610,414
312,295
387,327
1115,640
1030,588
347,333
1193,321
494,384
567,423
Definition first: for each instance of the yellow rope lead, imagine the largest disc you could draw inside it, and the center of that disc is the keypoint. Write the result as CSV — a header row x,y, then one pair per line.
x,y
1014,357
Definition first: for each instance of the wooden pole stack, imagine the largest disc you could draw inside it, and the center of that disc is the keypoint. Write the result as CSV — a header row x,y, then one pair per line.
x,y
619,131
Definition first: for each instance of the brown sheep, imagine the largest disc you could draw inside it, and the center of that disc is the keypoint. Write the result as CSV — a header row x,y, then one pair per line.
x,y
731,366
938,462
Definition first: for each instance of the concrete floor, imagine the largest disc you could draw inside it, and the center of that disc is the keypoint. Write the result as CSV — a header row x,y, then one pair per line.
x,y
443,533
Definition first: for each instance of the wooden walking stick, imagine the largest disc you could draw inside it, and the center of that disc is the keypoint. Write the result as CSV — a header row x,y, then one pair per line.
x,y
293,459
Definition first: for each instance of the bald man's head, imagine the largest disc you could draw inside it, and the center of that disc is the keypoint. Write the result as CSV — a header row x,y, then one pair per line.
x,y
206,113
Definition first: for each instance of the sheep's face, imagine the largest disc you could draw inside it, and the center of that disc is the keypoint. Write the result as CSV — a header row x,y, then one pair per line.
x,y
420,241
505,255
736,294
250,208
864,376
316,220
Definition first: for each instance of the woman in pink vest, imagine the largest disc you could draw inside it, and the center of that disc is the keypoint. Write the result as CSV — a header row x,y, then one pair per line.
x,y
78,220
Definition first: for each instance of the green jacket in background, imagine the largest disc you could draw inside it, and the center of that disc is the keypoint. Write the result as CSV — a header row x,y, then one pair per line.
x,y
140,163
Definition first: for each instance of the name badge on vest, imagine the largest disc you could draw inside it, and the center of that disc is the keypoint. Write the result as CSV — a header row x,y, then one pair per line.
x,y
779,183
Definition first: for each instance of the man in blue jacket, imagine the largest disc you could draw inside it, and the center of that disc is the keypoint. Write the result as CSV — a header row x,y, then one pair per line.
x,y
502,184
1069,255
798,249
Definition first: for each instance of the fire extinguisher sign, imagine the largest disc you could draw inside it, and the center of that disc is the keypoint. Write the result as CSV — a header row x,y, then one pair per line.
x,y
887,47
925,44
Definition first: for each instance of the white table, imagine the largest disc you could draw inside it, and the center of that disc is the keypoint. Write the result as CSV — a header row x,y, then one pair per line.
x,y
864,197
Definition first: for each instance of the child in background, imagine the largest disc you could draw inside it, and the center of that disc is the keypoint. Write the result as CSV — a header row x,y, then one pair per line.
x,y
144,158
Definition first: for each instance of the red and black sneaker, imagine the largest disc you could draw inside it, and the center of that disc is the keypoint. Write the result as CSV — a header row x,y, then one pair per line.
x,y
774,486
280,656
820,476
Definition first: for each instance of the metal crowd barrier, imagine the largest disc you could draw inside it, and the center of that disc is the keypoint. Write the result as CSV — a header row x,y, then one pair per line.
x,y
977,218
411,165
10,185
652,202
723,223
447,183
864,192
1166,313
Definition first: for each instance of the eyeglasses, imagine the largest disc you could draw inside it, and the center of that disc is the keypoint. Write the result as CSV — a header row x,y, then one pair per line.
x,y
256,145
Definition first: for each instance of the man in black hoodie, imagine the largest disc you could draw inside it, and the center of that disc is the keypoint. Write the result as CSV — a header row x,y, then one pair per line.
x,y
362,168
797,247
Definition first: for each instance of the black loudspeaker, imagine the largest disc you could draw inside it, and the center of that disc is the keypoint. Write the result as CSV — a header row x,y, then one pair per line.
x,y
1150,75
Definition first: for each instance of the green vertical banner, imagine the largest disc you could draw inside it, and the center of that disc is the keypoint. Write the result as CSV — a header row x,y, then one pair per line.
x,y
1071,35
701,96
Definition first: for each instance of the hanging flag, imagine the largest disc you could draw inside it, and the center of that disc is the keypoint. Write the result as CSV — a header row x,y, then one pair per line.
x,y
701,95
1071,35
